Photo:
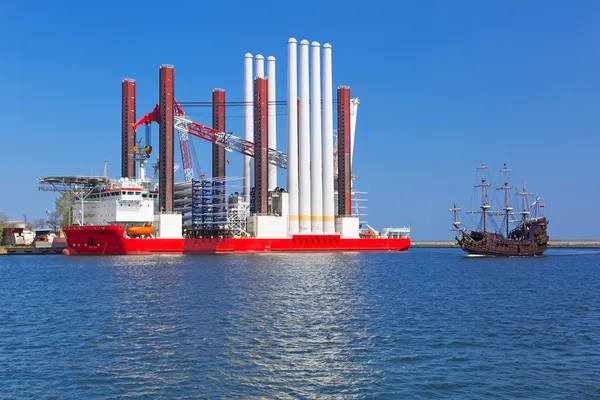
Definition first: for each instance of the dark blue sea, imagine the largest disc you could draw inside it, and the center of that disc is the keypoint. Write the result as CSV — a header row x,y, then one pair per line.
x,y
429,323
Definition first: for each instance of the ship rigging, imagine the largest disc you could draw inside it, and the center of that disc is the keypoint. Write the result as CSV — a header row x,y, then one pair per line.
x,y
528,237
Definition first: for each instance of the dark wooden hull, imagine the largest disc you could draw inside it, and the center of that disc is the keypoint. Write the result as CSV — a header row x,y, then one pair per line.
x,y
526,241
512,250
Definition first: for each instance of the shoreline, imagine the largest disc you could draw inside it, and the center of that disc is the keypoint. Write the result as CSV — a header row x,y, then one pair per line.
x,y
553,244
19,251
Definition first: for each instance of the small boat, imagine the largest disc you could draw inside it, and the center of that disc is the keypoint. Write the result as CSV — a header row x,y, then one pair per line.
x,y
527,237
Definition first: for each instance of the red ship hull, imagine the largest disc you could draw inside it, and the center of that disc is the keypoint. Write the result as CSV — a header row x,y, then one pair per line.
x,y
110,240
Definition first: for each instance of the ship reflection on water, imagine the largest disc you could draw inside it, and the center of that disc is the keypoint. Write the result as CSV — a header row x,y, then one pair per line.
x,y
304,308
264,319
424,323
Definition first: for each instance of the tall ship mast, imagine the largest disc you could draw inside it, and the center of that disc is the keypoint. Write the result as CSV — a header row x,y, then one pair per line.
x,y
484,205
506,187
527,237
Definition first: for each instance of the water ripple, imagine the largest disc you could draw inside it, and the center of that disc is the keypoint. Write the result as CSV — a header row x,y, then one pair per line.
x,y
423,324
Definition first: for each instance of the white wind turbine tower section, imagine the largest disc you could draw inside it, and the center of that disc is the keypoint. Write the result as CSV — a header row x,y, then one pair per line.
x,y
260,73
304,143
316,177
328,188
292,139
353,113
248,122
260,66
272,120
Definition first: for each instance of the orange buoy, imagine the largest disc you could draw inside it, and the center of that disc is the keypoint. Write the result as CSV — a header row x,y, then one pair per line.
x,y
140,230
66,252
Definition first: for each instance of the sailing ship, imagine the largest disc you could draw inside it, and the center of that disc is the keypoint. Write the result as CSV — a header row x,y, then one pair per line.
x,y
528,236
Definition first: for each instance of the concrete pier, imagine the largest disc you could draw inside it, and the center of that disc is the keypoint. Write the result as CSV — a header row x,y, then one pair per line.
x,y
433,243
21,251
556,244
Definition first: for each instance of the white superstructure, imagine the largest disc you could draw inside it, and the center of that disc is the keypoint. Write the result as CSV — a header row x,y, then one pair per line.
x,y
396,233
123,201
129,202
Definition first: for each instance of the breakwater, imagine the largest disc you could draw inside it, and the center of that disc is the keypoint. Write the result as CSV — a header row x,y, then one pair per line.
x,y
560,244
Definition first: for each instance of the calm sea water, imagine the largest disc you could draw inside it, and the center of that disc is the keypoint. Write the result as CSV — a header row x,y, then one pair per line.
x,y
422,324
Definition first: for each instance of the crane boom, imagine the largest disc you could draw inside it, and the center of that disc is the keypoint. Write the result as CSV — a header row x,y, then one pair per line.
x,y
184,144
185,127
226,140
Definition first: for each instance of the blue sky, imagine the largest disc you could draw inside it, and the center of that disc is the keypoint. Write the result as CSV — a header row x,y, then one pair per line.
x,y
443,86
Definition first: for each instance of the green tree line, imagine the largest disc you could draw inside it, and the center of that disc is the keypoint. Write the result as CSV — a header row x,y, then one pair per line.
x,y
54,220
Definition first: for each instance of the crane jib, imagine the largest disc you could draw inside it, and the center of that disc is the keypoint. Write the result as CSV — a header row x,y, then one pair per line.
x,y
226,140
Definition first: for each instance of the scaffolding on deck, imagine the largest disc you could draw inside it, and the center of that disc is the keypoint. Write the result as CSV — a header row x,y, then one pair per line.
x,y
215,213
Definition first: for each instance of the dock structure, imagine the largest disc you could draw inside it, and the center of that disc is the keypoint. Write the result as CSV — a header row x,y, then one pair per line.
x,y
556,244
433,243
22,251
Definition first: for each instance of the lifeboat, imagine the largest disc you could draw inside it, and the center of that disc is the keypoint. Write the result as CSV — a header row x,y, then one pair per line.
x,y
367,235
145,230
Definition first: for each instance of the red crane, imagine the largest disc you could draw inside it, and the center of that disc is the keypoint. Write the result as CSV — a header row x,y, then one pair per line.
x,y
184,144
226,140
186,127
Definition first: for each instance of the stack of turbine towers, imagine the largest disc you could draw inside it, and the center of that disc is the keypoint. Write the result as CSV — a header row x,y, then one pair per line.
x,y
310,146
249,119
310,136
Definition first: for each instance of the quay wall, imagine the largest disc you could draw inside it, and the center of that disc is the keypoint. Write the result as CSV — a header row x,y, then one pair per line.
x,y
557,244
